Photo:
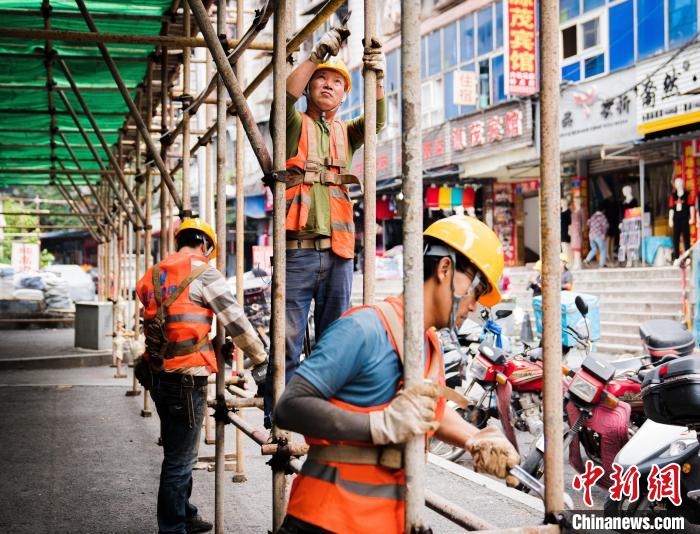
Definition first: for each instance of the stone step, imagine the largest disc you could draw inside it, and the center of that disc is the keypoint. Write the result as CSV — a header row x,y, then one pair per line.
x,y
640,305
619,327
616,348
619,338
636,316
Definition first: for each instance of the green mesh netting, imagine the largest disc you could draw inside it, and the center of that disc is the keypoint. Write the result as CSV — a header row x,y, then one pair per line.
x,y
25,140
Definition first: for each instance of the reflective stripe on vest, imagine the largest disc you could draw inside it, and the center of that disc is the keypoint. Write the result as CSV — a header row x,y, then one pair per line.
x,y
186,323
298,197
343,497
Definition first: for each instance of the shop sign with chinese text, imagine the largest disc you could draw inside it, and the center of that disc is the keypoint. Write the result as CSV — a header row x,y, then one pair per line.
x,y
595,113
464,87
521,46
667,91
481,134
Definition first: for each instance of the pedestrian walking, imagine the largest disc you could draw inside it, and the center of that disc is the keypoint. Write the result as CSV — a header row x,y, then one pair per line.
x,y
319,218
181,295
597,230
347,399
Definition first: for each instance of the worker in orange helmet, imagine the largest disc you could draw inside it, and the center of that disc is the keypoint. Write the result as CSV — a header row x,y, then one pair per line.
x,y
319,218
348,401
181,294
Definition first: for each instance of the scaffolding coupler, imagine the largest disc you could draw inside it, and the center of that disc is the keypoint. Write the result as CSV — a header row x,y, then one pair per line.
x,y
281,459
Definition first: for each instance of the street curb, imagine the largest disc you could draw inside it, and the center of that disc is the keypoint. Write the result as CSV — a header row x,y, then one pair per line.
x,y
488,483
65,361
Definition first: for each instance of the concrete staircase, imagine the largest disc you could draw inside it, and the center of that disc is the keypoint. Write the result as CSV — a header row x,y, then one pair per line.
x,y
628,297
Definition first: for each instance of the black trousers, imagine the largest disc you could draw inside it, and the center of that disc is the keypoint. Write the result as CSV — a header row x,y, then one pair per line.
x,y
680,226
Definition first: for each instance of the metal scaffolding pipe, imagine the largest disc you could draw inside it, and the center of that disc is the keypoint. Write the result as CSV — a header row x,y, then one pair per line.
x,y
133,111
186,197
50,214
231,82
240,221
65,195
220,432
551,265
101,38
100,137
454,513
412,172
163,252
100,229
279,143
102,207
370,164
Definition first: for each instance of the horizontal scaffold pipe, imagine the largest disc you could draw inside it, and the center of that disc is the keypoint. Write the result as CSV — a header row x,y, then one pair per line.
x,y
119,38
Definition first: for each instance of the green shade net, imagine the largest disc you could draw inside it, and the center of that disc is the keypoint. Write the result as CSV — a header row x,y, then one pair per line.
x,y
25,123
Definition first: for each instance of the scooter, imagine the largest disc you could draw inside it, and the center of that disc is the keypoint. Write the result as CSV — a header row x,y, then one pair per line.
x,y
671,398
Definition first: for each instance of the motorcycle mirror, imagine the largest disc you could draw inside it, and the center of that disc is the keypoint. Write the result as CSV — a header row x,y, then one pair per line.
x,y
581,305
502,314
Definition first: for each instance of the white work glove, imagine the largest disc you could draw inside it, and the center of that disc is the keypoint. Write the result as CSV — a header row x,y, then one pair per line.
x,y
329,45
410,414
492,453
373,58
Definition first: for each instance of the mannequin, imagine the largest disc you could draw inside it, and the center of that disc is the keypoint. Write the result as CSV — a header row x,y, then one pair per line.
x,y
565,223
576,233
681,215
628,201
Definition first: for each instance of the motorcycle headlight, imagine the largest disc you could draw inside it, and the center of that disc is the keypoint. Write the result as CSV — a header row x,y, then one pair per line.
x,y
478,369
678,447
583,389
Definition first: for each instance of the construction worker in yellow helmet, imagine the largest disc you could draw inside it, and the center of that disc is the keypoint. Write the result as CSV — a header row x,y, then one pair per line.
x,y
319,218
181,295
346,397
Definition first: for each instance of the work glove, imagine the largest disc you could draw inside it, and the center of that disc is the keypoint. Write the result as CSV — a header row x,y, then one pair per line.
x,y
410,414
373,58
492,453
259,374
329,45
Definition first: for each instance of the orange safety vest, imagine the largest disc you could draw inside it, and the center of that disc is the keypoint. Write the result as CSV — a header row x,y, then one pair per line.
x,y
308,168
187,325
344,497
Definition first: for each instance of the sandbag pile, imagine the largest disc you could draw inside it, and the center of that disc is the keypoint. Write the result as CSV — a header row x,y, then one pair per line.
x,y
56,293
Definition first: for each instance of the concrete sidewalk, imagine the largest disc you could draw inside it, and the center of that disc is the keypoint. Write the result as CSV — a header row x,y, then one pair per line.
x,y
78,458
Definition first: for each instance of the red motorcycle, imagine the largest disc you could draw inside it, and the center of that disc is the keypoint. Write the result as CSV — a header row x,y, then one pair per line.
x,y
599,420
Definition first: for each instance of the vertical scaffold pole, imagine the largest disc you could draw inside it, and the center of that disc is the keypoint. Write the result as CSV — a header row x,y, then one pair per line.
x,y
208,182
279,140
136,233
219,450
370,163
164,113
239,475
147,238
551,234
412,171
186,196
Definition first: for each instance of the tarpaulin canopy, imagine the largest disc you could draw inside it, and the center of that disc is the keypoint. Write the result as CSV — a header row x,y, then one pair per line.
x,y
25,118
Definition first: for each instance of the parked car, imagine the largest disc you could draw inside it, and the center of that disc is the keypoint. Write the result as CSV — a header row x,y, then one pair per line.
x,y
80,284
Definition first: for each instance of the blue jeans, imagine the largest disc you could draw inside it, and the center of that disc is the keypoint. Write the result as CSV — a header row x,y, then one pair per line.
x,y
180,428
311,274
597,245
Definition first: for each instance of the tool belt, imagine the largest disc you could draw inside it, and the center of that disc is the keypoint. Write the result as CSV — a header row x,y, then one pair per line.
x,y
318,174
389,456
317,243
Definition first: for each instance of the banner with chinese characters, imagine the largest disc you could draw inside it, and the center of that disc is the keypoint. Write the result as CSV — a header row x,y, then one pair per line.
x,y
504,220
667,91
478,135
597,112
521,43
691,182
464,87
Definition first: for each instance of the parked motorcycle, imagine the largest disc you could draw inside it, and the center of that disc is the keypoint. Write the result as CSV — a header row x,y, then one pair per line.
x,y
671,399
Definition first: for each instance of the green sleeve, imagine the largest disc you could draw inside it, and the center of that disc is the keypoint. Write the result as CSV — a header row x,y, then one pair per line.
x,y
356,127
293,126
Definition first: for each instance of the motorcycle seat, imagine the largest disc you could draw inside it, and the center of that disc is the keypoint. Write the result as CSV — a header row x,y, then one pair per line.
x,y
663,336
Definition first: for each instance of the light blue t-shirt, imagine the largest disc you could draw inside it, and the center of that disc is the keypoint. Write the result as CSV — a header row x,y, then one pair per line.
x,y
354,361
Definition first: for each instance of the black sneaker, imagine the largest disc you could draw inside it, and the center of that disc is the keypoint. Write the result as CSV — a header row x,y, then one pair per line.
x,y
197,524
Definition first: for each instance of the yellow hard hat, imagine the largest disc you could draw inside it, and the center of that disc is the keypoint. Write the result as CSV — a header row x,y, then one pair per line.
x,y
563,257
200,226
478,243
538,266
338,65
